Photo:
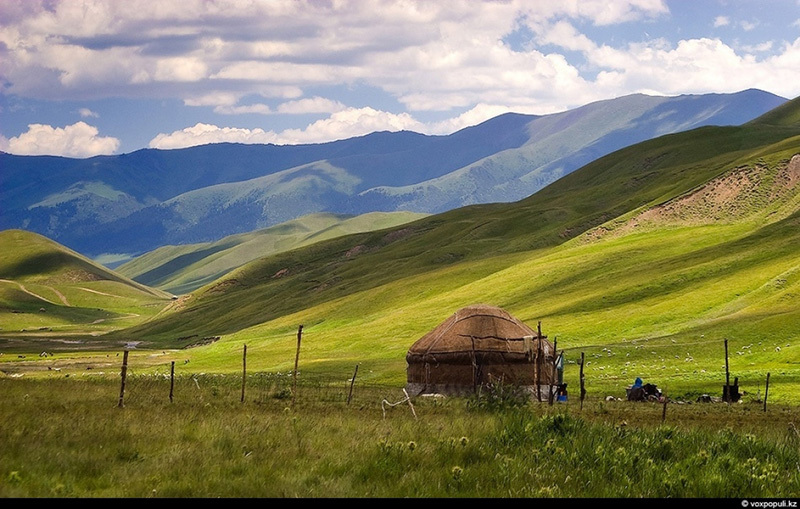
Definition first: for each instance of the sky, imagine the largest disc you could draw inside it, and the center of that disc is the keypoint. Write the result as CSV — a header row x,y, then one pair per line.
x,y
80,78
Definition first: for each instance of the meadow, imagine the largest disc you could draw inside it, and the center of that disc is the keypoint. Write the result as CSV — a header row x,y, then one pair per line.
x,y
654,305
71,438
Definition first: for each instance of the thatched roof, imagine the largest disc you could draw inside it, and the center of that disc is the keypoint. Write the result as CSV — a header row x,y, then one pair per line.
x,y
487,331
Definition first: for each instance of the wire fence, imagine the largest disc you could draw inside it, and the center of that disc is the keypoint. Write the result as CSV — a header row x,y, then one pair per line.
x,y
343,386
283,388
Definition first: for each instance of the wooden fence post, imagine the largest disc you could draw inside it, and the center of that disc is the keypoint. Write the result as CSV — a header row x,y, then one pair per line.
x,y
171,381
539,363
727,375
475,380
244,370
583,389
766,393
408,398
123,375
550,393
296,360
353,381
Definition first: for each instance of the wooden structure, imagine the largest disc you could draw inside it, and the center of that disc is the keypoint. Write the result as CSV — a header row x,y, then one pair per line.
x,y
730,393
477,346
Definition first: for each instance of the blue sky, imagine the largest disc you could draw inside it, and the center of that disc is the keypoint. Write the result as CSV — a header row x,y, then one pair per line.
x,y
82,78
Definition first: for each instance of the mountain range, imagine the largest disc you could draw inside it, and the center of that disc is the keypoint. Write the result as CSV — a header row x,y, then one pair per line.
x,y
130,204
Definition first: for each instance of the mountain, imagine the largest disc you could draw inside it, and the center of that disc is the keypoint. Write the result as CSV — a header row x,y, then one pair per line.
x,y
133,203
183,269
49,290
561,143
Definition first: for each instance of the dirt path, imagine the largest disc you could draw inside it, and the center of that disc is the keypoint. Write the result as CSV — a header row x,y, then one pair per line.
x,y
60,296
129,315
99,293
22,287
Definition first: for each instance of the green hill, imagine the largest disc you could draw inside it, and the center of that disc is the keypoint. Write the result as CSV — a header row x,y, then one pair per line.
x,y
622,183
787,114
656,253
183,269
51,293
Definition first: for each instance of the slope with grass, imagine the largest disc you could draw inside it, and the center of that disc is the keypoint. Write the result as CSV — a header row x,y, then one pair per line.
x,y
183,269
622,183
51,294
714,256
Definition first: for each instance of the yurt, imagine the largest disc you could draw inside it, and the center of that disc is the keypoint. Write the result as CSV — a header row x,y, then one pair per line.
x,y
480,345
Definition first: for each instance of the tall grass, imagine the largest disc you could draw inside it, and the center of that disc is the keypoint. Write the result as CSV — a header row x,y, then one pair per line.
x,y
69,438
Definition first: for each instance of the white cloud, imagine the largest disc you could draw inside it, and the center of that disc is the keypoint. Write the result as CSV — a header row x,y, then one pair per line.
x,y
279,72
86,112
297,107
748,25
694,66
180,69
758,48
230,49
608,13
203,134
311,105
340,125
565,35
721,21
216,98
349,123
261,109
474,116
226,102
76,140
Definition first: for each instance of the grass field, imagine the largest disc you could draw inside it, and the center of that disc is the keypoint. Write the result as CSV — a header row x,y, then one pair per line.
x,y
72,439
604,302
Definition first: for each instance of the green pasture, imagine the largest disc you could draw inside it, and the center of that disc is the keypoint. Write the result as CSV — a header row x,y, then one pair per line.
x,y
72,439
656,305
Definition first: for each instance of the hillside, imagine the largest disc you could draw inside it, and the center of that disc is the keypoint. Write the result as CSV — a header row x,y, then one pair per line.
x,y
54,292
183,269
657,252
133,203
638,177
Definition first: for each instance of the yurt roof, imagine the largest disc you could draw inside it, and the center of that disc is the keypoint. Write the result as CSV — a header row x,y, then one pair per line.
x,y
478,328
